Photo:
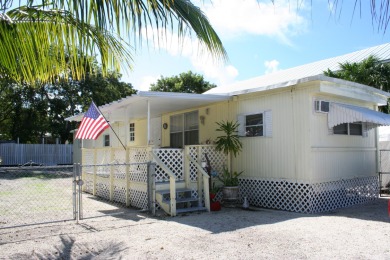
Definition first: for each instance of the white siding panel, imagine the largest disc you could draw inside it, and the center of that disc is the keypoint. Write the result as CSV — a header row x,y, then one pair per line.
x,y
336,164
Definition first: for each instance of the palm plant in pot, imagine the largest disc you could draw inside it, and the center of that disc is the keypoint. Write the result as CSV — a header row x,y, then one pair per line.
x,y
230,144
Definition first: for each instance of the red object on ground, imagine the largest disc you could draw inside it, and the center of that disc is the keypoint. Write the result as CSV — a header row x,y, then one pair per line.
x,y
388,208
215,206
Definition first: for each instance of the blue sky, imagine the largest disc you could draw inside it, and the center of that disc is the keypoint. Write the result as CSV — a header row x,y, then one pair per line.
x,y
260,37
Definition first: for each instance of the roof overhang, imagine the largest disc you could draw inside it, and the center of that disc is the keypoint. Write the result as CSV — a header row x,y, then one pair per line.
x,y
342,113
136,106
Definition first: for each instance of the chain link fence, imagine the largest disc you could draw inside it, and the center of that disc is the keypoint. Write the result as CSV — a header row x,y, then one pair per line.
x,y
384,173
42,194
35,194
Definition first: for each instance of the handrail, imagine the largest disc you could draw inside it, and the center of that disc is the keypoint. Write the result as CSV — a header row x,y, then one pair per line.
x,y
198,166
172,183
206,180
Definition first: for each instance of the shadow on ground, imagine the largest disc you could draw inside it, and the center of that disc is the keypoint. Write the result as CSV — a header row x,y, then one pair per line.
x,y
70,250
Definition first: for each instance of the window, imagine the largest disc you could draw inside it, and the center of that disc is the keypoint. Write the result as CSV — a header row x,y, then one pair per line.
x,y
184,129
257,124
106,140
321,106
254,125
349,129
132,132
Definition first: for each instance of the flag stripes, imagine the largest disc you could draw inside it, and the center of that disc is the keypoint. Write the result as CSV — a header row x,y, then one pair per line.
x,y
92,125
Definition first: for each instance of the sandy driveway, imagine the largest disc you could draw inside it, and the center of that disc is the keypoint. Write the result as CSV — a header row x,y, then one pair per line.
x,y
359,232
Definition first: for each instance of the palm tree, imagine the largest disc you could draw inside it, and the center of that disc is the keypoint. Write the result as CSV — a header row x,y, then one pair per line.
x,y
35,35
370,71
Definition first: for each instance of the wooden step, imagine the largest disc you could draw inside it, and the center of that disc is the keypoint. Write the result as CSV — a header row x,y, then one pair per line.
x,y
192,209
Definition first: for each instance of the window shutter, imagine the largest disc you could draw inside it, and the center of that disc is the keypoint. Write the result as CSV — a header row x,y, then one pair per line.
x,y
268,123
241,127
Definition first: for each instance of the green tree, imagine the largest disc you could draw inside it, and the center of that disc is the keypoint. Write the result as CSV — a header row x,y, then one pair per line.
x,y
31,112
371,72
36,31
186,82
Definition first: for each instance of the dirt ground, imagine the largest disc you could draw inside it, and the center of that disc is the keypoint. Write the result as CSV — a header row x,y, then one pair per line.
x,y
358,232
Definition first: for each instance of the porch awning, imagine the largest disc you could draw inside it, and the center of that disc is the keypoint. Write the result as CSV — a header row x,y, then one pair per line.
x,y
341,113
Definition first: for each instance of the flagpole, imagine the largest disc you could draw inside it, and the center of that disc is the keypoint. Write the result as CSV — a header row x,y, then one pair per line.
x,y
111,128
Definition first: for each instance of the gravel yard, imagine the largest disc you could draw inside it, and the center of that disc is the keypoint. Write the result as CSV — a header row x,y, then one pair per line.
x,y
358,232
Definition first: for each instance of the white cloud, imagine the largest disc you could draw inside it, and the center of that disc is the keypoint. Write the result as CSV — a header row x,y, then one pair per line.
x,y
190,48
145,82
271,66
232,18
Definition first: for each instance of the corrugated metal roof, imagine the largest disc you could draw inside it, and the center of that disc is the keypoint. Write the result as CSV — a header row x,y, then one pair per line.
x,y
382,52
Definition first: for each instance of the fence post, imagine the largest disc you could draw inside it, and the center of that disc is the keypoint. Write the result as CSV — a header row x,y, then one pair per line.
x,y
187,168
199,176
94,171
127,176
151,188
111,174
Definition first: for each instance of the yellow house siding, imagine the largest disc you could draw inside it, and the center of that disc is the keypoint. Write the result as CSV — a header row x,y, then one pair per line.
x,y
270,157
212,113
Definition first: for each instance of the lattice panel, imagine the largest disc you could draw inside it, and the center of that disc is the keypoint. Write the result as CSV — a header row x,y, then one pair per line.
x,y
339,194
87,156
119,155
88,182
103,156
103,190
308,198
173,159
218,160
119,171
138,155
119,194
138,173
139,199
193,152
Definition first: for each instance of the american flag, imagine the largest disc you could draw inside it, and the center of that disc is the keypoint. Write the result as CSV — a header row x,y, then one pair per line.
x,y
92,125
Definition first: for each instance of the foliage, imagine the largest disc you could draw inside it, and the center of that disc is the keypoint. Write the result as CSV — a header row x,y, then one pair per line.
x,y
32,112
228,178
33,32
371,72
229,142
186,82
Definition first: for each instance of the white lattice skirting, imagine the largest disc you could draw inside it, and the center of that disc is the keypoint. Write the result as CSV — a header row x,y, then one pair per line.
x,y
308,198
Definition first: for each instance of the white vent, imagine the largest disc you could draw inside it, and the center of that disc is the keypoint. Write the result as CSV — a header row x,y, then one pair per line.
x,y
321,106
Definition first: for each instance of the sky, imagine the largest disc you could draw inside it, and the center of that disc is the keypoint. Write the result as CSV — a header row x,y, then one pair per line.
x,y
260,37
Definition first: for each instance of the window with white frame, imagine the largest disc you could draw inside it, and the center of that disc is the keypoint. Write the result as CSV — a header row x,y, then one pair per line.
x,y
132,132
184,129
106,140
349,129
256,124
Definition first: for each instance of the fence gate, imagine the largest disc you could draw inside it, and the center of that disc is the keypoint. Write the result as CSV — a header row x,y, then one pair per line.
x,y
33,195
384,173
111,189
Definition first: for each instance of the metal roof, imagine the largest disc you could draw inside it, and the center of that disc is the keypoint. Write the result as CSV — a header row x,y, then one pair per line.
x,y
382,52
136,106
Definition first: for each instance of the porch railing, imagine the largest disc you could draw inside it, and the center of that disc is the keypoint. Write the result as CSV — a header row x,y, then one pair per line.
x,y
107,171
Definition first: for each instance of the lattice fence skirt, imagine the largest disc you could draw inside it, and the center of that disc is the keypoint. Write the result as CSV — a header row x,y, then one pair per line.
x,y
308,198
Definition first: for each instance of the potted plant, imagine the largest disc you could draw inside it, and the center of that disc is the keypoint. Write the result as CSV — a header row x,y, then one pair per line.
x,y
230,144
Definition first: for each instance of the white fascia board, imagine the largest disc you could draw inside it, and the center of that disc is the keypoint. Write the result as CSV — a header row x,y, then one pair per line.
x,y
177,95
355,91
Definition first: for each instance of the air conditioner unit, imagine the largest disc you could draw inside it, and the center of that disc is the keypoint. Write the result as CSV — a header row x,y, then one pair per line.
x,y
321,106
